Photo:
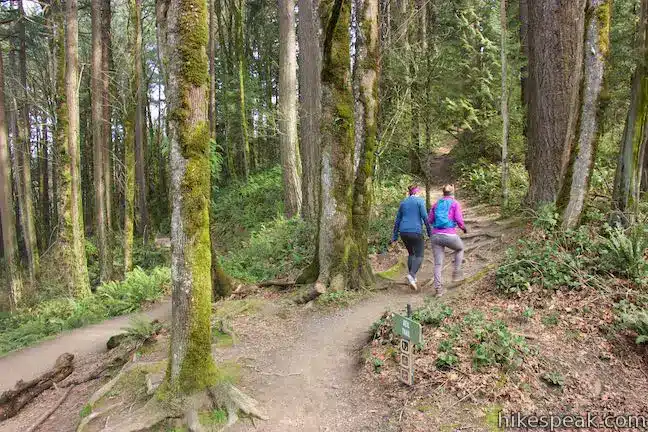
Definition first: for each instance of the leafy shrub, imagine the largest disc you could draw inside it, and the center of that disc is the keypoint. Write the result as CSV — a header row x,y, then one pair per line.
x,y
54,316
634,317
432,313
446,356
496,345
625,253
546,218
561,260
277,248
484,180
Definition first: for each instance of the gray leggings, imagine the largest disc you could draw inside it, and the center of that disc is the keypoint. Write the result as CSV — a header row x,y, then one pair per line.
x,y
439,243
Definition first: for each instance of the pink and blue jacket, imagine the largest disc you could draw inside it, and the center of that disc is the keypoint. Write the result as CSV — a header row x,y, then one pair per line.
x,y
454,215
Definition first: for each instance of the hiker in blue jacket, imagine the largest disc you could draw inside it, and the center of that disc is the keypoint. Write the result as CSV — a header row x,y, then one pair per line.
x,y
409,224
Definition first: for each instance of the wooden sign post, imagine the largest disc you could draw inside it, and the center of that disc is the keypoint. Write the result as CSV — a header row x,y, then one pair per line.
x,y
410,333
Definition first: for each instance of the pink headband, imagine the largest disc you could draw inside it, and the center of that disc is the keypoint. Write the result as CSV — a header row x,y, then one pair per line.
x,y
415,191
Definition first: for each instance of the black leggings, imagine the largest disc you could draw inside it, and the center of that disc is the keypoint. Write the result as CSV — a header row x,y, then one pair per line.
x,y
416,249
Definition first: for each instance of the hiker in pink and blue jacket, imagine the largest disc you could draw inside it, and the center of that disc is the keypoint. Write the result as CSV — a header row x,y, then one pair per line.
x,y
445,216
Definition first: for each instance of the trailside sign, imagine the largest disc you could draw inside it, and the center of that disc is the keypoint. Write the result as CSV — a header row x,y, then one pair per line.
x,y
408,329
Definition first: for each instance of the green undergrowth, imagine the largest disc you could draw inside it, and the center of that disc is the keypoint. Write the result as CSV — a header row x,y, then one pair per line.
x,y
550,259
483,181
483,341
54,316
258,243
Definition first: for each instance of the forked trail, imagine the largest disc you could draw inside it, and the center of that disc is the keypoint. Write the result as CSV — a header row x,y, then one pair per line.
x,y
303,365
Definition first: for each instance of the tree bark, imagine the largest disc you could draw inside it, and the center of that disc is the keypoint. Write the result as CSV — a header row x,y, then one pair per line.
x,y
191,366
367,69
338,254
524,68
98,144
505,113
71,240
140,136
310,95
23,152
131,129
106,66
287,109
244,151
45,202
633,142
555,39
597,41
9,244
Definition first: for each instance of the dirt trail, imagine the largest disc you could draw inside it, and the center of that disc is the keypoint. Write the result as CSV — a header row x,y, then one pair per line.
x,y
302,365
306,376
30,362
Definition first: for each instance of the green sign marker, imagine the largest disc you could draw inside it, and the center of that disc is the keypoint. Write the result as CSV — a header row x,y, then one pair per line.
x,y
408,329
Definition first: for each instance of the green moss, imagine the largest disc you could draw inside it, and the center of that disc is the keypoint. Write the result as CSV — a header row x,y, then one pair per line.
x,y
604,18
194,33
394,271
85,411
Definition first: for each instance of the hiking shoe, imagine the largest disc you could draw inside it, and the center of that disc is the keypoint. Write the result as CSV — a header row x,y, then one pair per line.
x,y
412,282
457,276
440,291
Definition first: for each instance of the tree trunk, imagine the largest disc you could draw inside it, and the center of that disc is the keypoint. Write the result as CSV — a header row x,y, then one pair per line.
x,y
23,151
71,239
130,130
597,41
338,255
140,126
106,65
556,31
191,366
310,94
9,244
367,69
524,68
287,109
98,144
505,113
244,151
211,53
633,142
44,184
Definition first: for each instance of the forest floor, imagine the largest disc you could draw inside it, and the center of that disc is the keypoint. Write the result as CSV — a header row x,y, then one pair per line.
x,y
309,366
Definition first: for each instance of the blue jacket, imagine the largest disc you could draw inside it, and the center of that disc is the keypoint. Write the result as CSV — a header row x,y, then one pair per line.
x,y
411,217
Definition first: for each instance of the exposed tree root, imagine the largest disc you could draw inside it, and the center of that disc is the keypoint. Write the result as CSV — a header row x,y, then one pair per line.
x,y
277,283
157,410
317,290
50,411
12,401
481,234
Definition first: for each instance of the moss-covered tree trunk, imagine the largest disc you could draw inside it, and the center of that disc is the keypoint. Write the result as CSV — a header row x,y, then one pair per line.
x,y
367,70
71,241
130,129
23,154
597,41
9,244
555,41
97,101
287,109
191,366
244,149
106,65
310,68
504,106
633,142
339,256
